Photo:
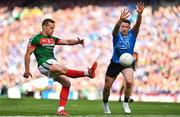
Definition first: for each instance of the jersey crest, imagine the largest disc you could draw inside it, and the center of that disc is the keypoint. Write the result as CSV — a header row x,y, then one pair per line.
x,y
124,44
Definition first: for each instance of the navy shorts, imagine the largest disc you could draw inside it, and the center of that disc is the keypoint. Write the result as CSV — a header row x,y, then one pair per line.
x,y
115,68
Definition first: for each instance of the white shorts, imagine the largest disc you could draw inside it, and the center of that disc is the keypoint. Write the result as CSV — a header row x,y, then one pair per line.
x,y
44,67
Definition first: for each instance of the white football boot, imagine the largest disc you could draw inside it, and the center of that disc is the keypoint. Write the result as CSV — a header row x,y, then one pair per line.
x,y
126,108
106,108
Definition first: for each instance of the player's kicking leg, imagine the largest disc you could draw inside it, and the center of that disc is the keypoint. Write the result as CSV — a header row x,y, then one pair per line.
x,y
61,70
91,70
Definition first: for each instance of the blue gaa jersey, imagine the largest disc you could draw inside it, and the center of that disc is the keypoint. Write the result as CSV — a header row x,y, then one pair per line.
x,y
123,44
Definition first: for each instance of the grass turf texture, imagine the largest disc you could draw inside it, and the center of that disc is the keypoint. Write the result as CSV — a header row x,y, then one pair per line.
x,y
33,107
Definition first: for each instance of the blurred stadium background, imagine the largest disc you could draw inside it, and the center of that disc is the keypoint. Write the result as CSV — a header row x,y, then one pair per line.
x,y
157,76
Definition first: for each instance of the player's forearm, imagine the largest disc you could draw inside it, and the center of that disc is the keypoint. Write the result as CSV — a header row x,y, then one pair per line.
x,y
116,27
27,62
73,42
138,22
139,19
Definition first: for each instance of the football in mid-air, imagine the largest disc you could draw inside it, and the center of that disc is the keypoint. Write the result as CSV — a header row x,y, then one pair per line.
x,y
126,59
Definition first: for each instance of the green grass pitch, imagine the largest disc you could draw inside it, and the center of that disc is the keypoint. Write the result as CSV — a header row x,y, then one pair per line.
x,y
34,107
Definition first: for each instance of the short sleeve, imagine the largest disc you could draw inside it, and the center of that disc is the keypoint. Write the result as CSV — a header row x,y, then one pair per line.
x,y
33,42
57,40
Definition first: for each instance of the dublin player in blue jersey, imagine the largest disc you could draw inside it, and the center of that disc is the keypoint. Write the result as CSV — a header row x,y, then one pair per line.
x,y
124,40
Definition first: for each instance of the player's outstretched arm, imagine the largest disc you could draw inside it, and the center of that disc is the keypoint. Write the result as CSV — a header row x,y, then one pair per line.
x,y
29,51
124,15
139,9
71,42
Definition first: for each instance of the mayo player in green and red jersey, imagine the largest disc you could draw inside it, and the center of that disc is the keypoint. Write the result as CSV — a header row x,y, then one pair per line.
x,y
42,45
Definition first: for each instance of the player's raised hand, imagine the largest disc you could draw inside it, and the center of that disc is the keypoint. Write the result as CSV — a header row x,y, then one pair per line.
x,y
27,74
124,14
140,7
81,41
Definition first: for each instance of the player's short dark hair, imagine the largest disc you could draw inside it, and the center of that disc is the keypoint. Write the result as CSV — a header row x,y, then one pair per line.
x,y
127,21
46,21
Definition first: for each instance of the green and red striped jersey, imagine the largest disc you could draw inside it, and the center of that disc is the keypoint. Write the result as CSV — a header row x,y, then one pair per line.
x,y
44,47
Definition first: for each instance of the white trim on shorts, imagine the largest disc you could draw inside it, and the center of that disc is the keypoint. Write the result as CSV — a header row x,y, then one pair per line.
x,y
44,67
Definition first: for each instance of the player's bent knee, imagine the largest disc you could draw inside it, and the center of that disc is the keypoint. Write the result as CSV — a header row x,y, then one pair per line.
x,y
129,84
67,84
107,88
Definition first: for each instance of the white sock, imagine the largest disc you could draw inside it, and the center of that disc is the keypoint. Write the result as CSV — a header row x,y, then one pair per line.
x,y
105,104
86,73
60,108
